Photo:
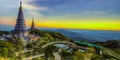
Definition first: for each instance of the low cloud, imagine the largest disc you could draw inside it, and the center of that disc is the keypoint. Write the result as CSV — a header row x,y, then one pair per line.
x,y
32,7
94,12
33,10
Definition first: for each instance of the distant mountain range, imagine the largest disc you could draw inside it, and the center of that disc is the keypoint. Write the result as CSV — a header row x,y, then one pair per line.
x,y
87,35
91,35
6,27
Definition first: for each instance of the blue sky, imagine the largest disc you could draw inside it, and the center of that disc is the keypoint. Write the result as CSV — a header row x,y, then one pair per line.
x,y
62,10
77,7
64,7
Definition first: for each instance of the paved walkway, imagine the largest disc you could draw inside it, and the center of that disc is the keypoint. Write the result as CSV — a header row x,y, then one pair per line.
x,y
58,42
29,58
57,56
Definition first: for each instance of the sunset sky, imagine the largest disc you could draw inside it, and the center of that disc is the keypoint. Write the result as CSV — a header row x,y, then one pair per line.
x,y
74,14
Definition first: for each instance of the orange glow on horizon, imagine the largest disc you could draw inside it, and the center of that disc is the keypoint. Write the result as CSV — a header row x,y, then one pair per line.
x,y
77,24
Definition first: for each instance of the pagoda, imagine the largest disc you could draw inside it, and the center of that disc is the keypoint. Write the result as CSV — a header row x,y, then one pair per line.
x,y
20,27
32,25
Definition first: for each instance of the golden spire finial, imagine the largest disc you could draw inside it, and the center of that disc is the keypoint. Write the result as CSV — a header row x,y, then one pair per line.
x,y
32,19
20,6
20,2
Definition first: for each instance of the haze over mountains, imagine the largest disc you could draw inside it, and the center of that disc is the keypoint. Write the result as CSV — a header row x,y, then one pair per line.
x,y
87,35
91,35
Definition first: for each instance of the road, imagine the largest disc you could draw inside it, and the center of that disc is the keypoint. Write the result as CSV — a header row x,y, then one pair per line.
x,y
58,42
57,56
111,53
29,58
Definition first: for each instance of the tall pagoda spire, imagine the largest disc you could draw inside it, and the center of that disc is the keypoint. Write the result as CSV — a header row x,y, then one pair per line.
x,y
20,9
20,26
32,25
